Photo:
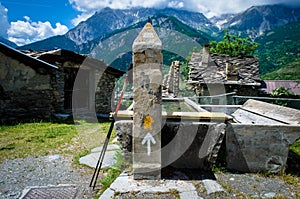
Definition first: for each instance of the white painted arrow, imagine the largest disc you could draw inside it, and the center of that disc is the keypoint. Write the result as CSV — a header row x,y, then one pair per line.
x,y
148,138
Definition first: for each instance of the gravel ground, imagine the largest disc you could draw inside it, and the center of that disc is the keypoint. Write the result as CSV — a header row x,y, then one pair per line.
x,y
146,196
255,186
21,173
242,185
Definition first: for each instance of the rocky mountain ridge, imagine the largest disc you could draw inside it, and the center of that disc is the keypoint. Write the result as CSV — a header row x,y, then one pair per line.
x,y
108,20
256,20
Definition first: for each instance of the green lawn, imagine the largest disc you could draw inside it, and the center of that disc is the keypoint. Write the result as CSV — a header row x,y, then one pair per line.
x,y
44,138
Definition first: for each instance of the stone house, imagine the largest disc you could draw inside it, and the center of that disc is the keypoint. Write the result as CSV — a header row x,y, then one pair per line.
x,y
213,74
35,85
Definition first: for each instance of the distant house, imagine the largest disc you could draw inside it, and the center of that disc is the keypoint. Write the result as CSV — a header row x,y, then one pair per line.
x,y
268,86
213,74
34,85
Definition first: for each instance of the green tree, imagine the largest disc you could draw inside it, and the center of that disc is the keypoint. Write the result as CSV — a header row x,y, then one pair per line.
x,y
233,46
282,92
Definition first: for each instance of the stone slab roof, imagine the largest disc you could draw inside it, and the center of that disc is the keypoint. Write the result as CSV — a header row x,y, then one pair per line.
x,y
215,70
26,59
60,56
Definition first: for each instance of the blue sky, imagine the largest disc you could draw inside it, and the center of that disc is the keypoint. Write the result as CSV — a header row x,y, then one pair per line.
x,y
40,10
28,21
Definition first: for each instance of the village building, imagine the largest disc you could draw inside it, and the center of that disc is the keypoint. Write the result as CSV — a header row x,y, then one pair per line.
x,y
213,74
35,85
268,86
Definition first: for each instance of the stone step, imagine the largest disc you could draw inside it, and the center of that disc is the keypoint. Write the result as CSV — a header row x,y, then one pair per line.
x,y
109,157
126,184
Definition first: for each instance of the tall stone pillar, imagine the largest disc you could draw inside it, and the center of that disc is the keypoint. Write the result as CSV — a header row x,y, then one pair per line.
x,y
176,65
147,80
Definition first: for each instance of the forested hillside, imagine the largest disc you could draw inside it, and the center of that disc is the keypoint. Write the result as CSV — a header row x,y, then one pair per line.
x,y
279,52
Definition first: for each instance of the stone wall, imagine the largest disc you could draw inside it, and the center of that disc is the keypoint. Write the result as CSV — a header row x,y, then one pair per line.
x,y
58,83
32,88
100,85
25,93
105,93
171,81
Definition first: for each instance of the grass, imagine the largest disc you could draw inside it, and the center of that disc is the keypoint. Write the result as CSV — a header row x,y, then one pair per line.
x,y
175,192
110,174
45,138
296,147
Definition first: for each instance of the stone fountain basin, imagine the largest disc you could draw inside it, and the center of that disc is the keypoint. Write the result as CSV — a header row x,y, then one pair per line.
x,y
190,138
258,137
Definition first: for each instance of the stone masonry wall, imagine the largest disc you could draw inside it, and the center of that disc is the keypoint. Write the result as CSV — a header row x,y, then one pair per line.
x,y
57,83
171,80
25,93
104,93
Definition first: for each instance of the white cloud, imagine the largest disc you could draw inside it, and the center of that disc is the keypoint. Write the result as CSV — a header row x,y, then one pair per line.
x,y
92,5
88,7
3,21
82,17
24,32
176,4
209,8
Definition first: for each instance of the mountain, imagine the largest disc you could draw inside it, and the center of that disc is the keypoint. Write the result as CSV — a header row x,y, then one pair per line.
x,y
178,41
108,20
7,42
56,42
114,47
109,33
219,21
259,19
279,47
290,71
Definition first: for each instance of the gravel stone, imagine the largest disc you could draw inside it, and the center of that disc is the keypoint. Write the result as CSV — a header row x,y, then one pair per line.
x,y
21,173
256,186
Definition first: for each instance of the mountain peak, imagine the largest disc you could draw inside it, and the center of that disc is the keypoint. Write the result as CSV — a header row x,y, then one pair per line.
x,y
107,20
258,19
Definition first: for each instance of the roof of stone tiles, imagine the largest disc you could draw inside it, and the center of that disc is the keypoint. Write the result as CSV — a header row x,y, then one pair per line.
x,y
59,56
26,59
215,71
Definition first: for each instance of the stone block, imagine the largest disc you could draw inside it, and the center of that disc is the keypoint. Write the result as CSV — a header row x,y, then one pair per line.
x,y
259,148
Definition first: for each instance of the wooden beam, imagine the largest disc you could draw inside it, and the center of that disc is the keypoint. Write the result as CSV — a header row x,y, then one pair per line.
x,y
183,115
